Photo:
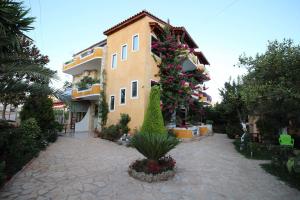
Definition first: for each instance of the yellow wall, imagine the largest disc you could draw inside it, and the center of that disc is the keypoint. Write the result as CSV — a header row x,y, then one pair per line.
x,y
138,66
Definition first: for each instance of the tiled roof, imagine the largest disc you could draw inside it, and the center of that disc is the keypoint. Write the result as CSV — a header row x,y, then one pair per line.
x,y
130,20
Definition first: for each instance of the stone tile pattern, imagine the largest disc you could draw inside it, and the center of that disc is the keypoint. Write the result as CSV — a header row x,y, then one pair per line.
x,y
91,168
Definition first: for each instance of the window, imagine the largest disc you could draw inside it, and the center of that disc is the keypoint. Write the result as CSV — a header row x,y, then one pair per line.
x,y
134,89
124,52
114,61
122,96
112,103
135,42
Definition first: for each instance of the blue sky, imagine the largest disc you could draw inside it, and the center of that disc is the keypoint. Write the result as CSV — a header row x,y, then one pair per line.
x,y
223,29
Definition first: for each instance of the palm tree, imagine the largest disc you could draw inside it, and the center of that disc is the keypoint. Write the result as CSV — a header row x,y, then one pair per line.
x,y
22,70
13,23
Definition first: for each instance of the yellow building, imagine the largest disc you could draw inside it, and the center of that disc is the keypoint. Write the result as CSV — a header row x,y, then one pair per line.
x,y
124,64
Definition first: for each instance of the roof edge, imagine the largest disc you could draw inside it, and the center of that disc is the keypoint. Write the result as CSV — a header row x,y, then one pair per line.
x,y
101,43
130,20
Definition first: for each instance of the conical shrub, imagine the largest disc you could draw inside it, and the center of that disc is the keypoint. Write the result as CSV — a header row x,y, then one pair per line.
x,y
153,121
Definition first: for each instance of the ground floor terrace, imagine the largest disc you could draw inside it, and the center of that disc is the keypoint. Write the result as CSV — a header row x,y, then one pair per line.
x,y
92,168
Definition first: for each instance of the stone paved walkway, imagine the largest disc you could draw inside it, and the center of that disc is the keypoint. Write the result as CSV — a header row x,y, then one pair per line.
x,y
91,168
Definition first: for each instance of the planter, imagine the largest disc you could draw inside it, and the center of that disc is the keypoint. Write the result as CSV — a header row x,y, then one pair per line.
x,y
164,176
153,171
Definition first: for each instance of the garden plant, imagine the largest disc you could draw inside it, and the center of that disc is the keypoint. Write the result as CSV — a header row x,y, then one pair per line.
x,y
154,143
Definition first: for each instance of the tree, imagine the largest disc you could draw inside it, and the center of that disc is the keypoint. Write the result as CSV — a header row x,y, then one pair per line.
x,y
235,111
153,121
271,88
26,74
13,22
40,107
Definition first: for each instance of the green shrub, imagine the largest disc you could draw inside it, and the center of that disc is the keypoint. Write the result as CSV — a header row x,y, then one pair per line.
x,y
253,150
40,108
153,121
152,145
111,133
233,130
31,135
123,123
291,179
281,155
114,132
2,172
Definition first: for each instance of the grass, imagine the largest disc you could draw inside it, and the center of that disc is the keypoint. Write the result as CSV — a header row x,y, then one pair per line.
x,y
293,180
259,151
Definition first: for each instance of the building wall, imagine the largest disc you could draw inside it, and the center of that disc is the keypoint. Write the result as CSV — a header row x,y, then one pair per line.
x,y
139,66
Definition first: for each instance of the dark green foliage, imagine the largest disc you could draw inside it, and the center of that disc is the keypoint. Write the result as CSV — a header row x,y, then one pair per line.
x,y
2,173
19,145
86,82
103,108
280,155
114,132
268,128
14,21
123,123
153,145
32,136
271,89
233,130
40,108
282,174
153,121
111,133
259,151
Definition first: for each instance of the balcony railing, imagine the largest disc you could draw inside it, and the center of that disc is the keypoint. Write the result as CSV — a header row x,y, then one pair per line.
x,y
92,91
83,58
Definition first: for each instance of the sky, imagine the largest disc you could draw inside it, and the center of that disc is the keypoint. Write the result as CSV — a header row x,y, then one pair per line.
x,y
223,29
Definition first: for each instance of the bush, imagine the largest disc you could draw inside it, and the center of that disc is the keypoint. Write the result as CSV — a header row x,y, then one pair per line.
x,y
232,130
153,121
123,123
253,150
40,108
31,136
152,145
291,179
114,132
281,155
2,173
111,133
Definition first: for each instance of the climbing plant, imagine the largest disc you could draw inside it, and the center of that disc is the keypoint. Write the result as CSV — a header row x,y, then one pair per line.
x,y
176,91
103,106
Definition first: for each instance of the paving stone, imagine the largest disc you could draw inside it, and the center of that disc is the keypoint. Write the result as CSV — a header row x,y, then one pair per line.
x,y
91,168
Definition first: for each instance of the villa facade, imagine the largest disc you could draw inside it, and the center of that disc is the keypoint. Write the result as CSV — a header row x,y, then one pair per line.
x,y
123,66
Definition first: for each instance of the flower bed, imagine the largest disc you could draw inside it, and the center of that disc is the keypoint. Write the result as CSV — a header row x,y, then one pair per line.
x,y
151,170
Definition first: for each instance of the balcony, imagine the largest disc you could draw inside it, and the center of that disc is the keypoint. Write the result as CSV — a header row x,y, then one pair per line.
x,y
191,63
88,60
92,93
